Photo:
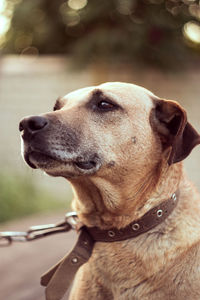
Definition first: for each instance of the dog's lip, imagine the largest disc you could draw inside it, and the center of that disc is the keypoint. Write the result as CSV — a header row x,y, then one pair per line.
x,y
27,159
36,155
80,163
86,165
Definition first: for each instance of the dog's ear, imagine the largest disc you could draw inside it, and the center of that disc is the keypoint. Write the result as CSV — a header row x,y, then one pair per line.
x,y
174,130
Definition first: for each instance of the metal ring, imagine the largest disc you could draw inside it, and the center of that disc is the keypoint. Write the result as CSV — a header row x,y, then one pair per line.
x,y
72,219
159,213
135,226
111,233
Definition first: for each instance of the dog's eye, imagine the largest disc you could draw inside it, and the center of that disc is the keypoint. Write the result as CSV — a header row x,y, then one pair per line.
x,y
104,105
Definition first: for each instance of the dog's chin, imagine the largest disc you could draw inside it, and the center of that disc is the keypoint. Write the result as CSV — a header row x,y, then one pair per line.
x,y
65,168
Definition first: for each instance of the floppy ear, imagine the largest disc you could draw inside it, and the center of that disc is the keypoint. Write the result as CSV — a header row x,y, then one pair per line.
x,y
174,130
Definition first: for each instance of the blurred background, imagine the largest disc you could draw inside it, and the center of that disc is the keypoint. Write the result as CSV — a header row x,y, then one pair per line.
x,y
49,48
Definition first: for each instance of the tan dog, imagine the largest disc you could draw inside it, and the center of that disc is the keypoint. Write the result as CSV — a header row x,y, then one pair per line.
x,y
120,147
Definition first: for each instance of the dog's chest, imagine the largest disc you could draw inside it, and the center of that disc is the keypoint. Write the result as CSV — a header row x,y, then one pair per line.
x,y
124,272
118,262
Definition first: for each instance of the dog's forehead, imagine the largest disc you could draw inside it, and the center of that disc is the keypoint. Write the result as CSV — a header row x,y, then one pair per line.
x,y
128,93
123,93
78,96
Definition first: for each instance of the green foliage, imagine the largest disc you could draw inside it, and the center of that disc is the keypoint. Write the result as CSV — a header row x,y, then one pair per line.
x,y
20,197
146,31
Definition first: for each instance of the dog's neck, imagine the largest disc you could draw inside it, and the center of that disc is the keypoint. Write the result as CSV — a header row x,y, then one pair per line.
x,y
101,203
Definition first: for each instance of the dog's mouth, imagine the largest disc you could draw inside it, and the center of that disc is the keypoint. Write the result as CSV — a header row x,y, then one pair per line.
x,y
86,165
39,160
48,162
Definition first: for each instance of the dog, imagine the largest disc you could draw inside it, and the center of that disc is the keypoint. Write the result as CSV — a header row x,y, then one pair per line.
x,y
121,148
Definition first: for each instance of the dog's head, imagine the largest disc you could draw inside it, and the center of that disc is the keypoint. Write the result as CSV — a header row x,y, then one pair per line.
x,y
114,126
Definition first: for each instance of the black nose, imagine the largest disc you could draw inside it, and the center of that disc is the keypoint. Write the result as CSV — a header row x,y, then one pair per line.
x,y
33,124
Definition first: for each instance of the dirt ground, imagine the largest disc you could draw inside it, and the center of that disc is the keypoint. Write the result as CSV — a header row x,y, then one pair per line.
x,y
22,264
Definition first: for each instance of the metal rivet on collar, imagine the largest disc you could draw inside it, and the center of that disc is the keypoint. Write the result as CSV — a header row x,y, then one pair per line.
x,y
174,197
74,260
159,213
111,233
135,226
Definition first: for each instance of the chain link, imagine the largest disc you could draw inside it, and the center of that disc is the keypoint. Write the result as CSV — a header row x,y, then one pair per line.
x,y
39,231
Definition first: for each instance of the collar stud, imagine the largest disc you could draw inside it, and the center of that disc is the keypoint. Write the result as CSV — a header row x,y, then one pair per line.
x,y
159,213
111,233
74,260
135,226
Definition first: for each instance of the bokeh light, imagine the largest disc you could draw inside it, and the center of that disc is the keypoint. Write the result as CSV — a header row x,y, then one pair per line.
x,y
191,32
70,17
194,10
87,30
4,24
77,4
2,6
4,20
30,51
125,7
6,13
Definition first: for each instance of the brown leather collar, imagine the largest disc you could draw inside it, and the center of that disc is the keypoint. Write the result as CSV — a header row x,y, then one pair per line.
x,y
151,219
60,276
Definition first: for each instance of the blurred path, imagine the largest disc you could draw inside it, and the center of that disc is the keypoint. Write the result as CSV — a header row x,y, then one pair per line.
x,y
22,264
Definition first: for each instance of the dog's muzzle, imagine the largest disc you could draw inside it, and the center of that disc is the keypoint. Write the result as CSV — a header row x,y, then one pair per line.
x,y
46,145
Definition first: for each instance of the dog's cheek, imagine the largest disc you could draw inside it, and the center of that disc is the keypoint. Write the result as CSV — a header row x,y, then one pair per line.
x,y
142,153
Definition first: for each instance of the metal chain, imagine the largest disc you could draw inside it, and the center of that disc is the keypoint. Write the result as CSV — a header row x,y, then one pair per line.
x,y
39,231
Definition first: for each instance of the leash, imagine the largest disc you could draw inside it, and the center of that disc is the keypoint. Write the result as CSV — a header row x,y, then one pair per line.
x,y
58,279
39,231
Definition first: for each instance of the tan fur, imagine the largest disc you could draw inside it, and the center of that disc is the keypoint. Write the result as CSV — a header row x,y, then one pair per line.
x,y
162,264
